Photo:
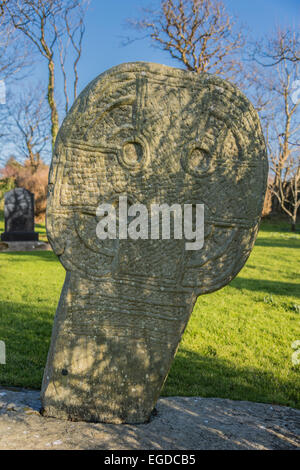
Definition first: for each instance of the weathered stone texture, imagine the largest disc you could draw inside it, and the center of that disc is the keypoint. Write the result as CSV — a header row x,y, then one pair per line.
x,y
157,135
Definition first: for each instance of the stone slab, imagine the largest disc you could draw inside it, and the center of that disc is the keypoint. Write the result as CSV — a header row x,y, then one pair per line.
x,y
19,236
151,134
6,247
181,423
19,216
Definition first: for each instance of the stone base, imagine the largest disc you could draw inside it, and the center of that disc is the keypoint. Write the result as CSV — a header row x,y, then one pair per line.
x,y
19,236
24,246
180,423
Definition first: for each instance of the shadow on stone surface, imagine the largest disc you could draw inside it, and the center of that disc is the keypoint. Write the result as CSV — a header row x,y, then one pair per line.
x,y
181,423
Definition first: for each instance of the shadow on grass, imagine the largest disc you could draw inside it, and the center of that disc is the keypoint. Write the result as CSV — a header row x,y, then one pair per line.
x,y
277,243
194,374
277,224
29,255
26,329
40,226
269,287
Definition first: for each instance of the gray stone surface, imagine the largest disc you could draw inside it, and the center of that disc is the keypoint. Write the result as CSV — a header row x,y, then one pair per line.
x,y
156,135
24,246
180,423
19,216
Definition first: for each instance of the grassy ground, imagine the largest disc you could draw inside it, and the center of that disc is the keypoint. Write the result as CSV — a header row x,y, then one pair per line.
x,y
237,344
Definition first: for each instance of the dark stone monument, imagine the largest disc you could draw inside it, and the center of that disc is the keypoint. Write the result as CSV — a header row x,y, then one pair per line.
x,y
19,216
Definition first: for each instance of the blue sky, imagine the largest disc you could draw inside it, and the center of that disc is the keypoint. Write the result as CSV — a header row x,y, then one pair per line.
x,y
105,28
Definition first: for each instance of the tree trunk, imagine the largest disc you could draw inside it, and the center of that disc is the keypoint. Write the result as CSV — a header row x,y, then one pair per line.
x,y
52,103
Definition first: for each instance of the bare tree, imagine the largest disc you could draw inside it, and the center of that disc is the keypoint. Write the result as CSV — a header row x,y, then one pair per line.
x,y
281,119
285,45
14,53
288,193
74,32
28,125
15,61
197,33
43,23
33,19
285,154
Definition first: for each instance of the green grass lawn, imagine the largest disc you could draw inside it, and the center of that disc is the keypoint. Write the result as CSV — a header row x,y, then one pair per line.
x,y
237,344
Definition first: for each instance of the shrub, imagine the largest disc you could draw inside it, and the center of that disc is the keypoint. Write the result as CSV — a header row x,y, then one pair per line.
x,y
34,179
